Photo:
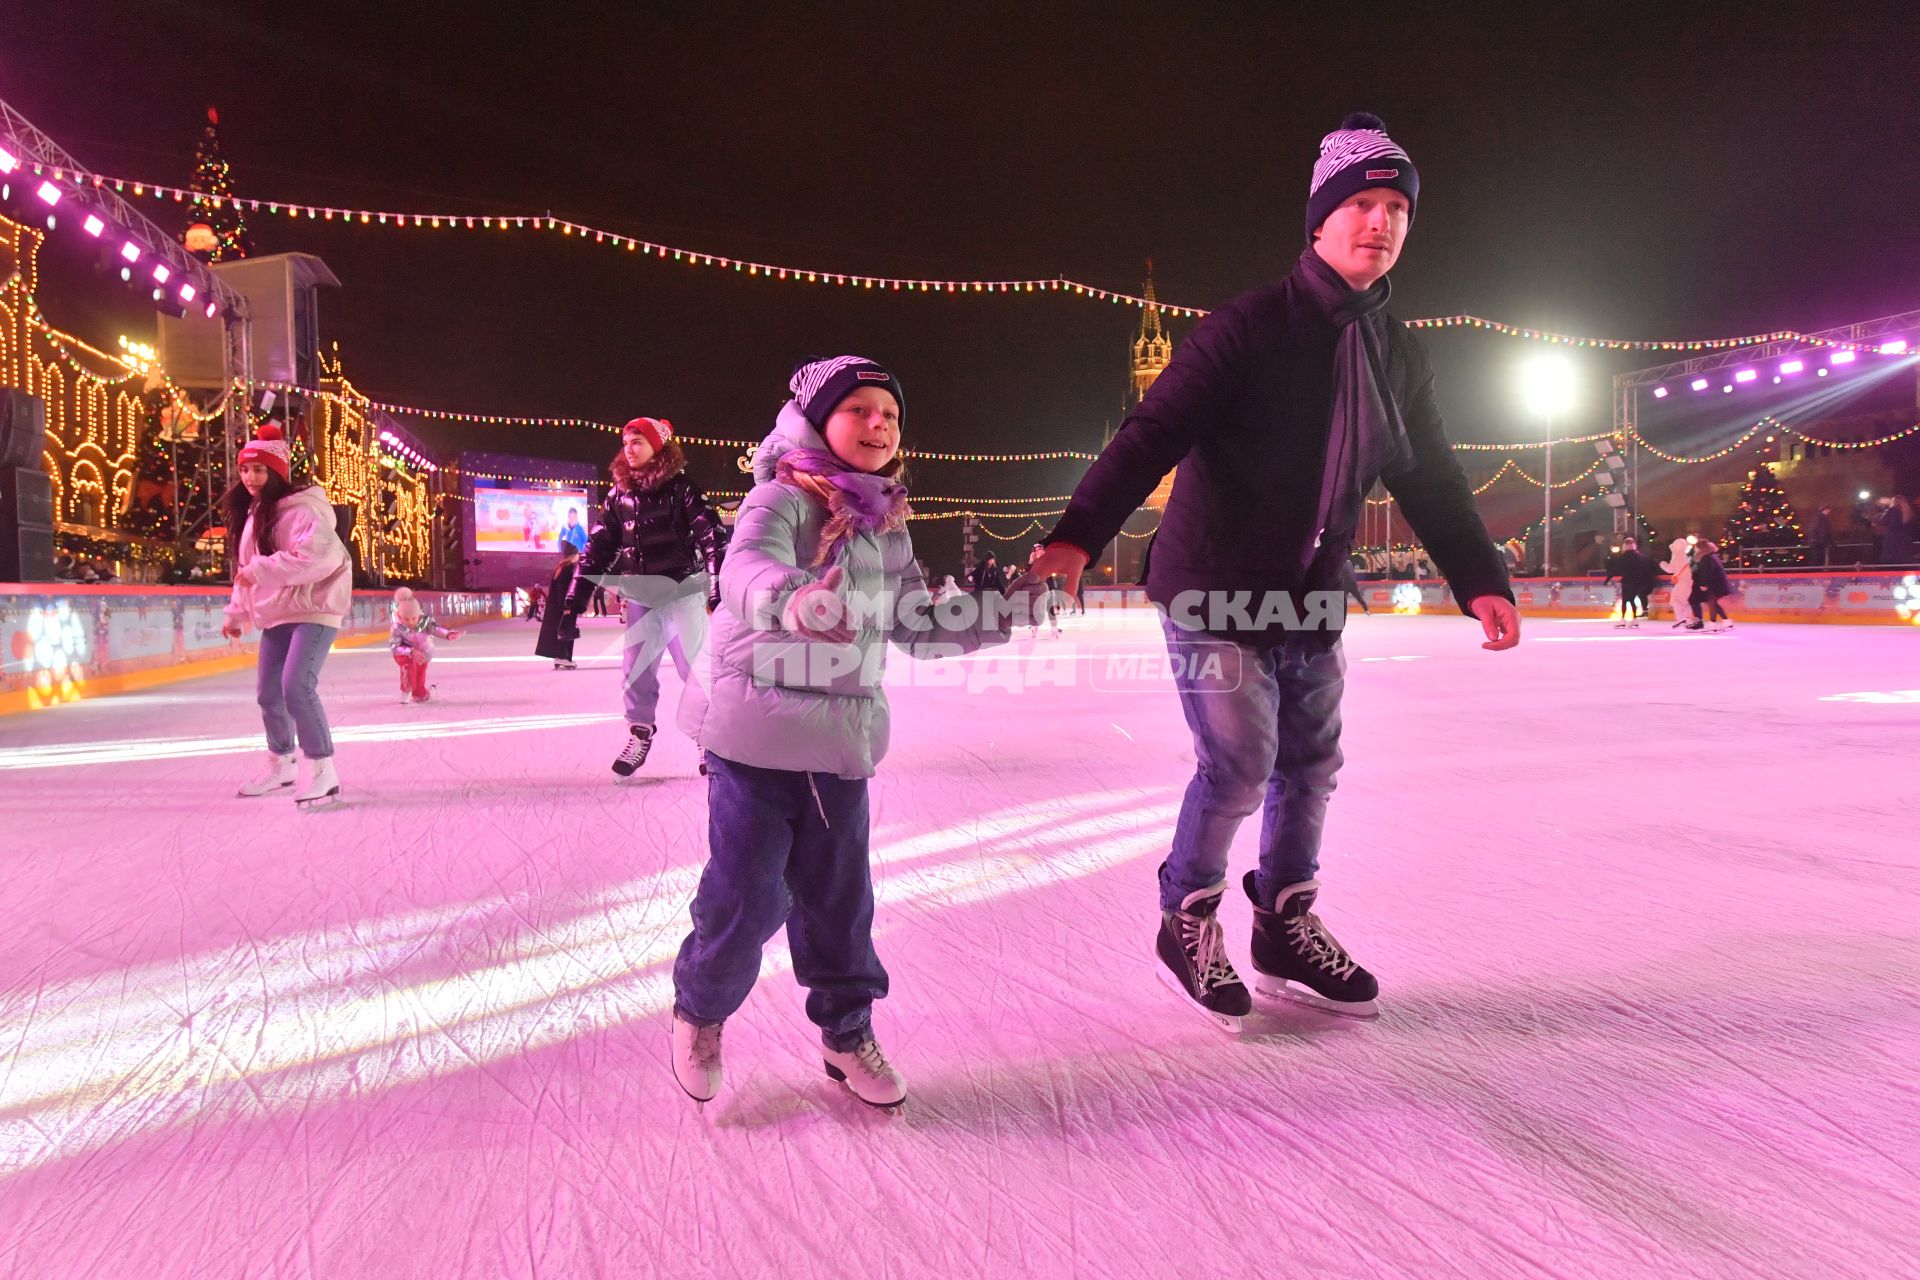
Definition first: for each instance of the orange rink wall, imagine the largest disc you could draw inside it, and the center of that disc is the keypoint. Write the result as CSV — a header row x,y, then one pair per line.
x,y
63,641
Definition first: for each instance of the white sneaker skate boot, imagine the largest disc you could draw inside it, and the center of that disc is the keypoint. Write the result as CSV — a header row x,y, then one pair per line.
x,y
696,1059
278,773
323,784
868,1075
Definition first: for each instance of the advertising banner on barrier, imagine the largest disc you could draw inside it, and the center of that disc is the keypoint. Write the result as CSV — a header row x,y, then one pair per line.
x,y
61,641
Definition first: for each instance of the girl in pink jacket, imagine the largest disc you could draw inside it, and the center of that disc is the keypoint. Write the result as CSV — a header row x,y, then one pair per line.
x,y
293,582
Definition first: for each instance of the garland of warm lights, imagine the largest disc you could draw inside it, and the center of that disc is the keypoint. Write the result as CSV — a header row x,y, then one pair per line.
x,y
1025,529
1558,484
1056,284
1658,452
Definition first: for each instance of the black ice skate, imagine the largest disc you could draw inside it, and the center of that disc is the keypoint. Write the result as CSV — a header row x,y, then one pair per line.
x,y
1296,959
1193,959
634,754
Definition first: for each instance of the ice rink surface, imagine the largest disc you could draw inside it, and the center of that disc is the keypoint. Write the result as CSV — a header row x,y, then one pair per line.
x,y
1644,908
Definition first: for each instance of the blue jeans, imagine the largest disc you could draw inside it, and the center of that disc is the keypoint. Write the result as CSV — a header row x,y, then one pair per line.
x,y
288,687
667,618
784,848
1266,735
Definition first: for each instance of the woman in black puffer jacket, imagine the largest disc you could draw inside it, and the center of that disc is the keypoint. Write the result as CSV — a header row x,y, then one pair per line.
x,y
660,543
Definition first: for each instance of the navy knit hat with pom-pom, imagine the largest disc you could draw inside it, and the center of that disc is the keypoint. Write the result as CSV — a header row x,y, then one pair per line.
x,y
1358,155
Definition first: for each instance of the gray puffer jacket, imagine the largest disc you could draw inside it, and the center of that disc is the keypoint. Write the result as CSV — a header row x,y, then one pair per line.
x,y
778,700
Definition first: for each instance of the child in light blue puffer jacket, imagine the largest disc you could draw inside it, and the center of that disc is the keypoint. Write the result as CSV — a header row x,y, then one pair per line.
x,y
819,577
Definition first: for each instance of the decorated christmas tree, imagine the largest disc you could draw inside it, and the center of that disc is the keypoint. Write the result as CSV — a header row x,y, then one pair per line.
x,y
155,483
1763,528
218,231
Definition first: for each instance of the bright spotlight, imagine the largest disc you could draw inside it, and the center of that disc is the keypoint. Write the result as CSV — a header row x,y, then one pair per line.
x,y
1547,385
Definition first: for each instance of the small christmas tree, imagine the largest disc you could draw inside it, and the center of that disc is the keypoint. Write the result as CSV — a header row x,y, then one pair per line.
x,y
218,231
1763,528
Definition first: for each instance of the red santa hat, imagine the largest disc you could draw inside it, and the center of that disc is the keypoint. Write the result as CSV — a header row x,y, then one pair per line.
x,y
269,448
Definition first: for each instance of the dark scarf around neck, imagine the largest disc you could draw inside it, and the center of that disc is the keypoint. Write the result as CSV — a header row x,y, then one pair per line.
x,y
1366,437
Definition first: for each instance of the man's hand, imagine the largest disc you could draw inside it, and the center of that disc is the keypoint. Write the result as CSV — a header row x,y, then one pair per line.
x,y
1062,558
1499,619
817,612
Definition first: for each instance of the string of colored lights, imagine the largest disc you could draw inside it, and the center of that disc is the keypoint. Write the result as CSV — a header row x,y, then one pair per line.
x,y
1658,452
1475,447
1842,444
1558,484
1025,529
1056,284
999,515
1631,344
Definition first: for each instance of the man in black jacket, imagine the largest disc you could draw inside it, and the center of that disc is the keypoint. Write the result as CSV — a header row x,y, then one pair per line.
x,y
1281,410
1637,578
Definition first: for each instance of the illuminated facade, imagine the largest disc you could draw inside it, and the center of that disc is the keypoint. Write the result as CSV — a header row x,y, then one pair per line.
x,y
96,404
393,501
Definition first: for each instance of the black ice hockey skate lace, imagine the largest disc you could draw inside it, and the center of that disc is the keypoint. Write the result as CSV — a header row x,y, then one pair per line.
x,y
1311,940
1206,947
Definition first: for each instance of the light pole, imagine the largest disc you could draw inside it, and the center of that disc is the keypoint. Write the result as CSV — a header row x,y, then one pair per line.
x,y
1546,387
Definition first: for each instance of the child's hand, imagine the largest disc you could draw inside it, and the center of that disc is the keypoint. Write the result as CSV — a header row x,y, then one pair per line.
x,y
454,634
817,612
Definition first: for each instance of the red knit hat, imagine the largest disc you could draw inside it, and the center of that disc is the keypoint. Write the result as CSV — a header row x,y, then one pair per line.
x,y
656,431
269,448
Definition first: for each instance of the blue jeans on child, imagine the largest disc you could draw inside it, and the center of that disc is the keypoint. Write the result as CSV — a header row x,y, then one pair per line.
x,y
288,687
1266,727
785,848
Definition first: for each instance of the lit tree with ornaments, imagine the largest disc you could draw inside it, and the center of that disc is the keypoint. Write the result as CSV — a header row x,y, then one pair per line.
x,y
218,231
1763,527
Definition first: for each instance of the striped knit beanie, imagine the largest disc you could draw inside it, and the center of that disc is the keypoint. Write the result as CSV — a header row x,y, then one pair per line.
x,y
1358,155
819,386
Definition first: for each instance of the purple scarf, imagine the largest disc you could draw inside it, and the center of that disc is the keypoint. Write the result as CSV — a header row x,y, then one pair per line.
x,y
856,501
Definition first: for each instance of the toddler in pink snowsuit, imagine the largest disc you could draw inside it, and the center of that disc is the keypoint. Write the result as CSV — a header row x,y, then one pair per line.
x,y
411,642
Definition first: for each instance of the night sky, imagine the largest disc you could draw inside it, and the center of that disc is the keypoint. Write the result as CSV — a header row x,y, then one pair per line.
x,y
1627,170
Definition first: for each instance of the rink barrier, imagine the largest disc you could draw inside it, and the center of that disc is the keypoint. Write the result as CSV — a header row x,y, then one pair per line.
x,y
62,641
1853,598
